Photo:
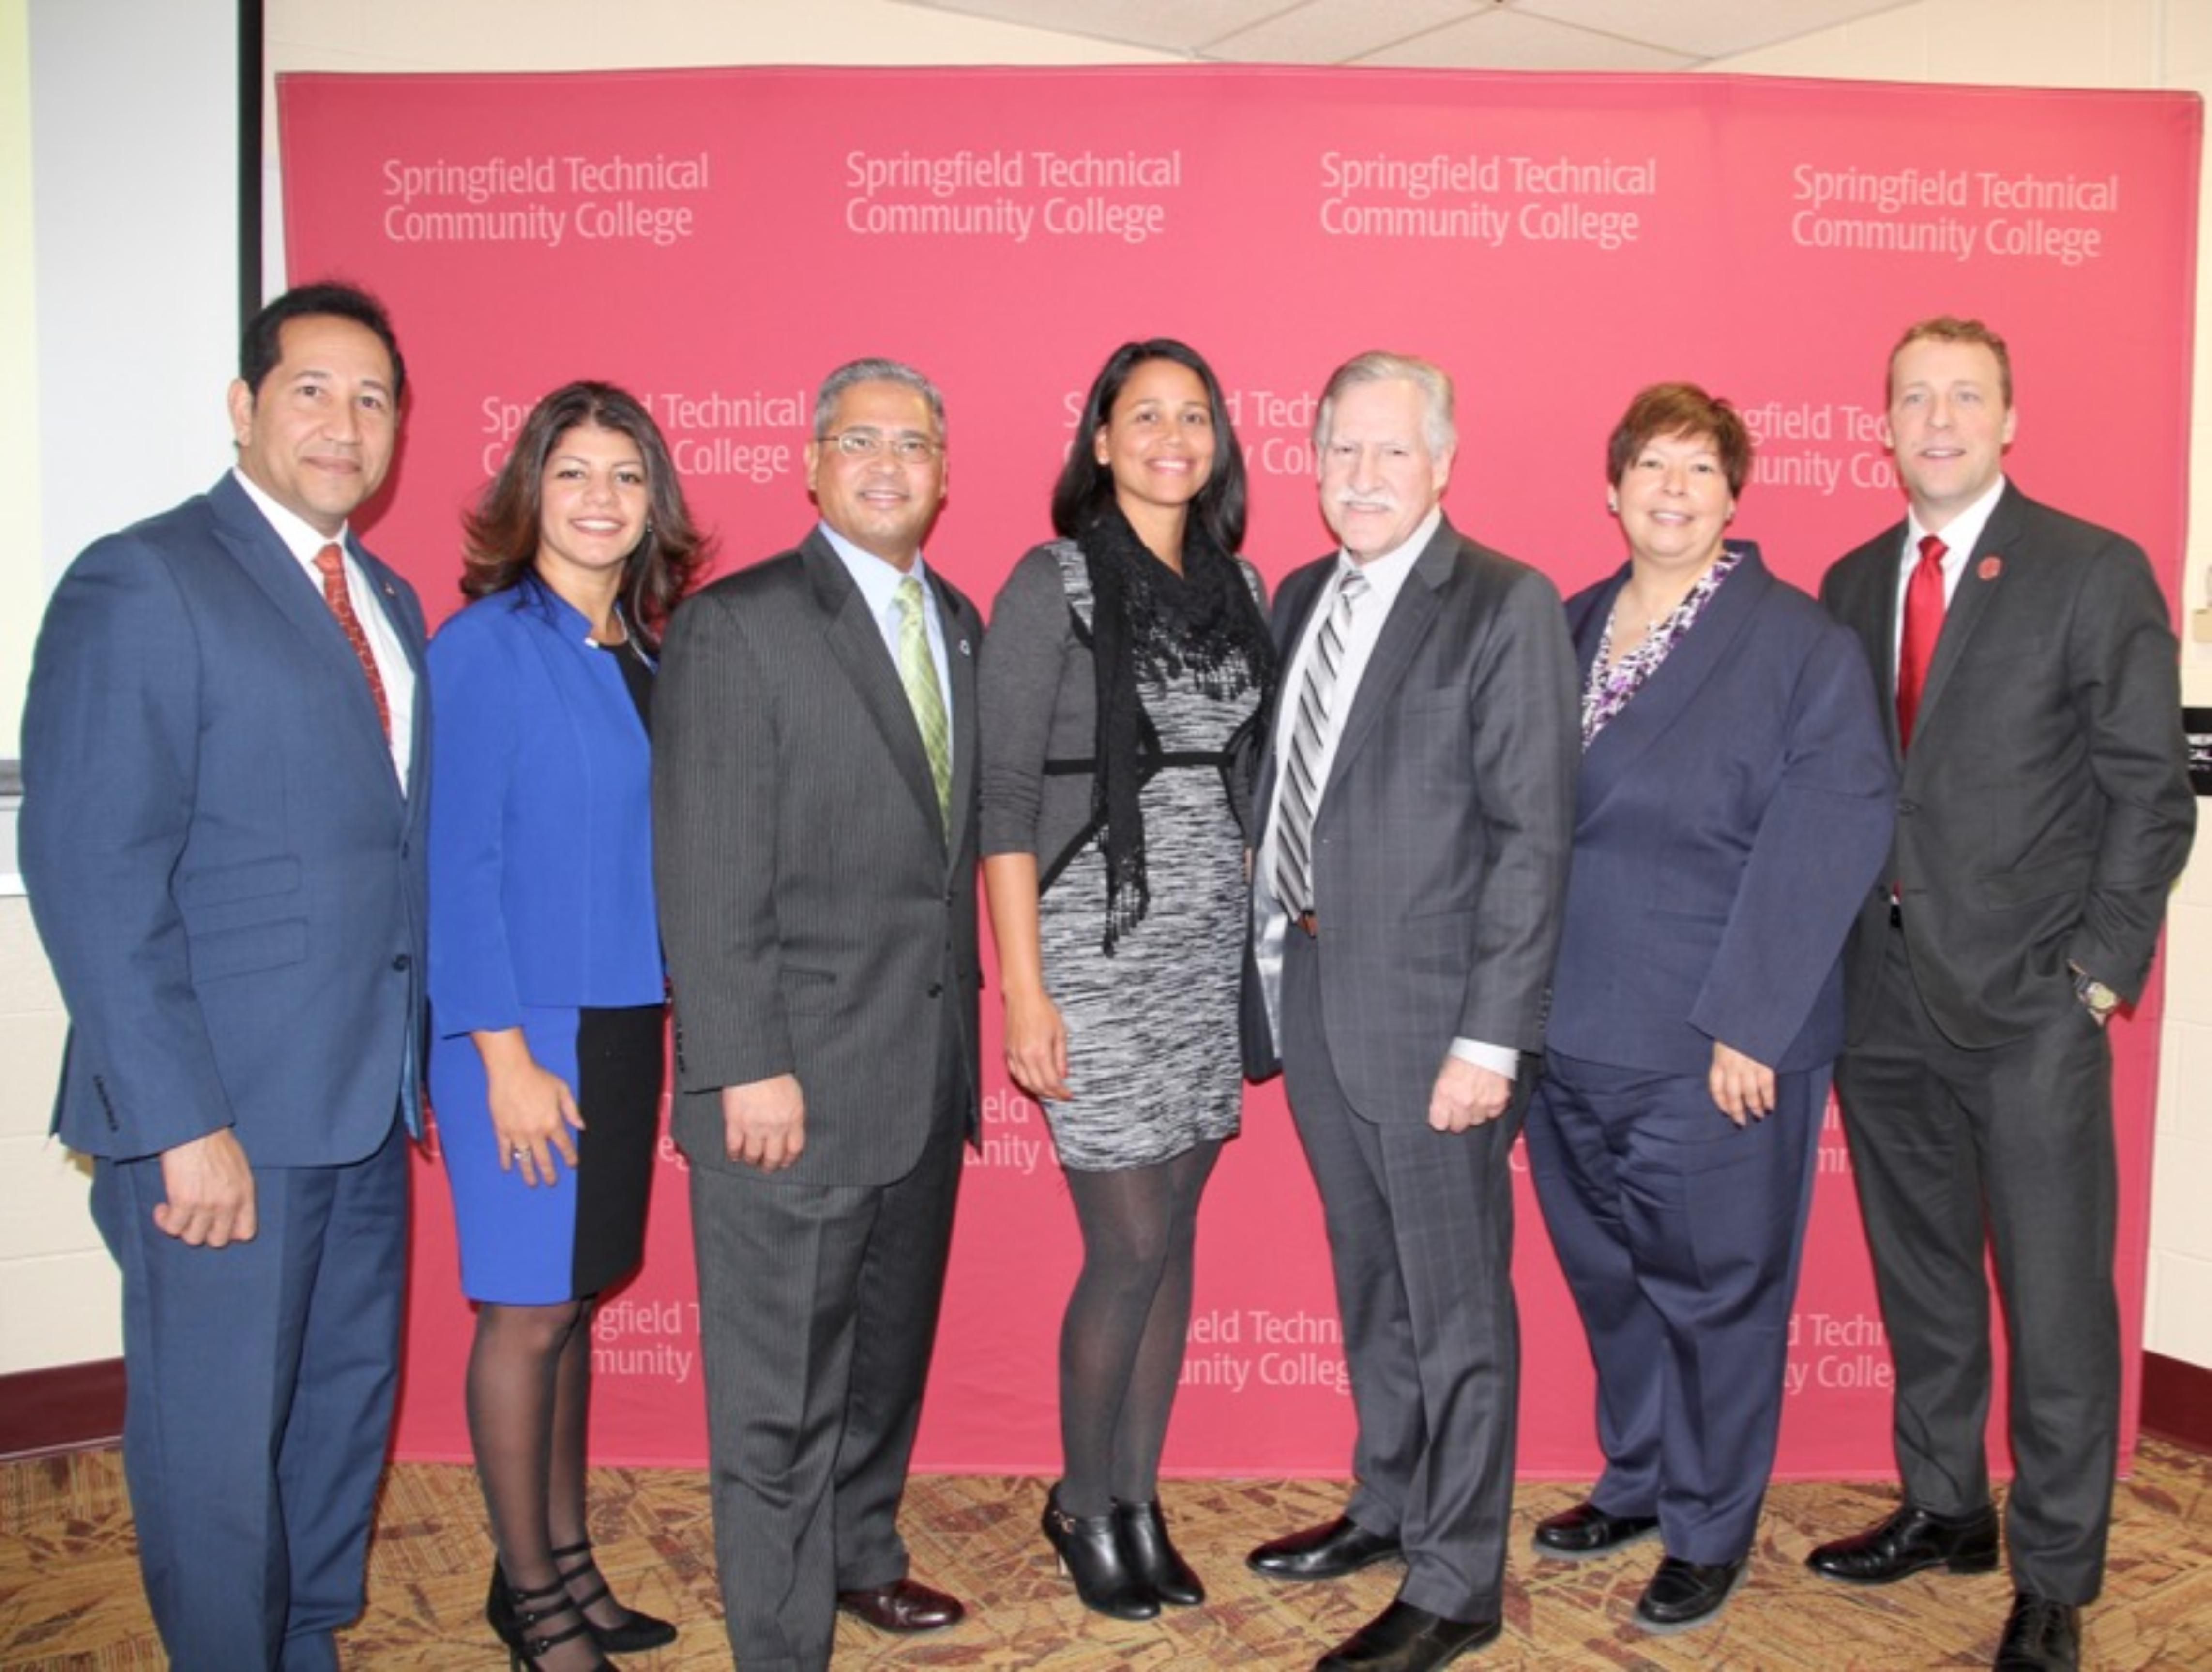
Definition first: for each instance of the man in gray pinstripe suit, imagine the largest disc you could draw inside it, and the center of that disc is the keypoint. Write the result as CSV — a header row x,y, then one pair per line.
x,y
814,811
1417,802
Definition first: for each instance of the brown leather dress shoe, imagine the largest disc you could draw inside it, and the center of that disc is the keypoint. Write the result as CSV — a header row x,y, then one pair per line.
x,y
904,1607
2041,1636
1908,1541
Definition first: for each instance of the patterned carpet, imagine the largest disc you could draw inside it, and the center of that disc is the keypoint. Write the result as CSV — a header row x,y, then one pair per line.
x,y
70,1597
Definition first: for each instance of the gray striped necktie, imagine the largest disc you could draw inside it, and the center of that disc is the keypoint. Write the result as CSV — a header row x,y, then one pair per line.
x,y
1301,795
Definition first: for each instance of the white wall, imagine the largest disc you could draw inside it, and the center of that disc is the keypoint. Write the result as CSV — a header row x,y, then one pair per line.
x,y
129,414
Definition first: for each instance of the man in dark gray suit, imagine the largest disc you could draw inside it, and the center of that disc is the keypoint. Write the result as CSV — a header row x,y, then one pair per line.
x,y
2044,812
1418,803
814,811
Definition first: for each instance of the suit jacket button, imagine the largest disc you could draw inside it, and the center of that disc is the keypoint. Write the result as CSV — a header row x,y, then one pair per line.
x,y
935,988
1908,807
401,961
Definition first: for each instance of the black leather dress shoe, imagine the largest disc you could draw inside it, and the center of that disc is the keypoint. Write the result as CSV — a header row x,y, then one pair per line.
x,y
1405,1638
2041,1636
1584,1531
1908,1541
1685,1594
1328,1552
902,1608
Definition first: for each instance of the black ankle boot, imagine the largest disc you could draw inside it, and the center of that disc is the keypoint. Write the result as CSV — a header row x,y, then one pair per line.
x,y
1152,1556
1090,1553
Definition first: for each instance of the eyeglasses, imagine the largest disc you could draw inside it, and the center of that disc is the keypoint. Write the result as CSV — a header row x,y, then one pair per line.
x,y
906,446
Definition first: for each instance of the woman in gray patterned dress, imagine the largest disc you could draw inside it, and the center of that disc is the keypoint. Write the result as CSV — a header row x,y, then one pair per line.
x,y
1122,678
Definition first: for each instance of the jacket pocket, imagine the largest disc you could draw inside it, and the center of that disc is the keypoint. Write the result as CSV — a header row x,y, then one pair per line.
x,y
216,953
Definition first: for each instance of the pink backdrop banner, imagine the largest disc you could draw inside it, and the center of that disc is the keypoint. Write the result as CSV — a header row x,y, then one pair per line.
x,y
716,240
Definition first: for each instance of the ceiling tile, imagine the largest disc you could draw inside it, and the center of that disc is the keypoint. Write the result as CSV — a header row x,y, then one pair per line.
x,y
1337,31
1172,26
1499,39
1702,28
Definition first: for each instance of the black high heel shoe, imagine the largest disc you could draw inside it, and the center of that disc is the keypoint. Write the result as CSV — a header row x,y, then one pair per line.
x,y
1090,1553
638,1631
528,1613
1152,1556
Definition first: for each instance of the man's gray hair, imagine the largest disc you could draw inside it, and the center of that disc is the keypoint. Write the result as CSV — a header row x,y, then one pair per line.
x,y
874,370
1379,366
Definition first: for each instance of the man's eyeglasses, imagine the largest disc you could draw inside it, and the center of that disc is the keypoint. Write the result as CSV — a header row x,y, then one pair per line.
x,y
906,446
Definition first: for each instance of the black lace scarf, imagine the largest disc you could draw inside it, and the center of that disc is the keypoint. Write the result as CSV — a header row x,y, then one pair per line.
x,y
1149,621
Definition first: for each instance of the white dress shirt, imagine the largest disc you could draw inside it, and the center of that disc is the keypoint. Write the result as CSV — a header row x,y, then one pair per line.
x,y
878,582
1386,578
1959,536
306,543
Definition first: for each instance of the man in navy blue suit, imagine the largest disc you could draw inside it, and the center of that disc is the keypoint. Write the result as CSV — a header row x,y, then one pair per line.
x,y
221,834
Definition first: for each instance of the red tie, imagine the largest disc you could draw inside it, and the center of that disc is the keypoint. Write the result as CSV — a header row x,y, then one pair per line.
x,y
330,560
1923,625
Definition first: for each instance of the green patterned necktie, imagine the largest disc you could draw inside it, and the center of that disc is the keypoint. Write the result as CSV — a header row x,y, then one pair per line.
x,y
918,672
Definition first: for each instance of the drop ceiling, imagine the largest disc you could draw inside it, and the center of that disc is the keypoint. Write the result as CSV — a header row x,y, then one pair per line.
x,y
1461,34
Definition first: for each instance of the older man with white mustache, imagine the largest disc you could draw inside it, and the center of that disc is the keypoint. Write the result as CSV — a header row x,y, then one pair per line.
x,y
1417,800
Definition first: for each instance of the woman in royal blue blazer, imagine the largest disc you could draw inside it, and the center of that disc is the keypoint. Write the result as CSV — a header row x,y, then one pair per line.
x,y
546,987
1733,807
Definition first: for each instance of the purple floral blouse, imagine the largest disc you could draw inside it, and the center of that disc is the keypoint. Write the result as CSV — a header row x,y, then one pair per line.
x,y
1611,685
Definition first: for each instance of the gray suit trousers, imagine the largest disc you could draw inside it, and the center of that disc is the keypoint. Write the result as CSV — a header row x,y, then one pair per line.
x,y
817,1309
1421,1236
2017,1136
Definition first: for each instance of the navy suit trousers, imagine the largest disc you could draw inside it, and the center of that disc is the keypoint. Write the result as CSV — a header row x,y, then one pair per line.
x,y
261,1380
1679,1233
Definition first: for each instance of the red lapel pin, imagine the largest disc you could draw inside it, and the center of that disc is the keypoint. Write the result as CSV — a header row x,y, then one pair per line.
x,y
1989,568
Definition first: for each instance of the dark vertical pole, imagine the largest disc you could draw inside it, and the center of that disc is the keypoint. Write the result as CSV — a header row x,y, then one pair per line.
x,y
251,62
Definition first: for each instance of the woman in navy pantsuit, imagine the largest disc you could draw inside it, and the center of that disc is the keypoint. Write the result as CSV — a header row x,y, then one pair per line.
x,y
1733,807
546,986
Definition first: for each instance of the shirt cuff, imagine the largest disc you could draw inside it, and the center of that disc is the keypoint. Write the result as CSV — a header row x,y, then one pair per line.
x,y
1498,1058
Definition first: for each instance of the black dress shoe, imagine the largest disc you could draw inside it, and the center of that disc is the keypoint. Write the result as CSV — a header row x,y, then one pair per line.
x,y
1328,1552
1685,1594
1576,1535
1151,1555
902,1608
1092,1553
1908,1541
2041,1636
1405,1638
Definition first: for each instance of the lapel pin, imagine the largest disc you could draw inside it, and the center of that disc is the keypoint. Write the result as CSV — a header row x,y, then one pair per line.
x,y
1989,568
963,647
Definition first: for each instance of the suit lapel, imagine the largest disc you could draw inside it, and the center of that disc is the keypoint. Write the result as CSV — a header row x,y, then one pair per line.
x,y
857,642
258,550
960,662
1672,690
1294,605
1408,623
1969,602
1867,604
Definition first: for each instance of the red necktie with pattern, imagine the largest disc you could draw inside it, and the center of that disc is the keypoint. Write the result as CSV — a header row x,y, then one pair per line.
x,y
330,560
1923,625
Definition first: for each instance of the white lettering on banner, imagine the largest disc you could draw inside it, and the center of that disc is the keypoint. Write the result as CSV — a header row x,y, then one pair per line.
x,y
910,196
1847,1351
646,1338
745,436
537,181
1234,1349
1549,200
1887,227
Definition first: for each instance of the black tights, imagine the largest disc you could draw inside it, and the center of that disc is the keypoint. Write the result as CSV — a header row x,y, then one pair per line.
x,y
1121,1342
529,1397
